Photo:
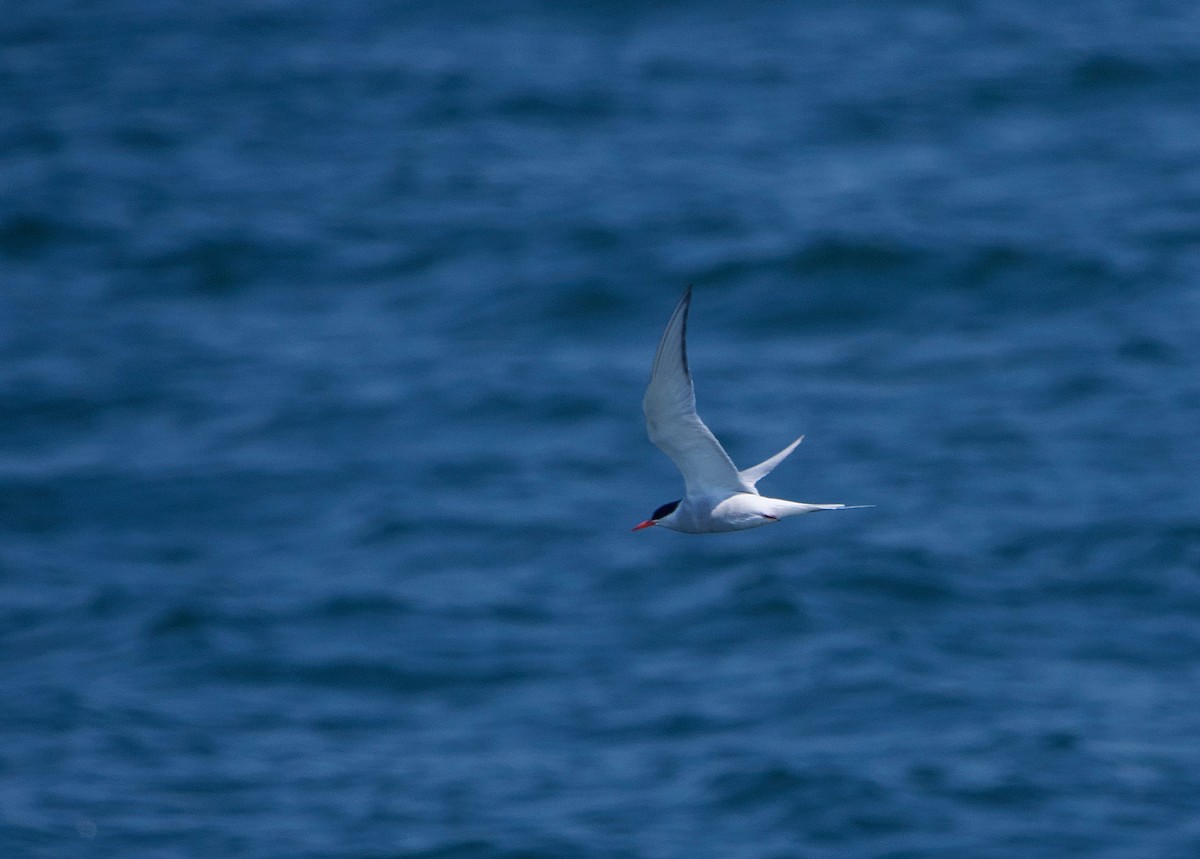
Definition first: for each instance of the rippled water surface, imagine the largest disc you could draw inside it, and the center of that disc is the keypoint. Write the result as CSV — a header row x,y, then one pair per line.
x,y
323,334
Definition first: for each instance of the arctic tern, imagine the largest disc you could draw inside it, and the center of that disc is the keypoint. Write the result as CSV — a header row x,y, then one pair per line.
x,y
717,496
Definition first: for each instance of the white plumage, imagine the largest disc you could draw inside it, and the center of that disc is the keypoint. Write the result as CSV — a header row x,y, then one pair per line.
x,y
717,497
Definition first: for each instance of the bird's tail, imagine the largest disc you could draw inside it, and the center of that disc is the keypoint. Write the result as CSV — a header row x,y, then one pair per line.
x,y
795,508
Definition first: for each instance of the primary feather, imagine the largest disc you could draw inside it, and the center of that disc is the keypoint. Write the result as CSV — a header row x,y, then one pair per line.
x,y
672,422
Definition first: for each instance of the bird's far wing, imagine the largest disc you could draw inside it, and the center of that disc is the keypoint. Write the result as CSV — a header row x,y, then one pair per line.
x,y
671,419
755,473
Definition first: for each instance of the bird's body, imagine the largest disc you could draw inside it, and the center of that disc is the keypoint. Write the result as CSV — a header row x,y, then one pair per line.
x,y
713,514
718,497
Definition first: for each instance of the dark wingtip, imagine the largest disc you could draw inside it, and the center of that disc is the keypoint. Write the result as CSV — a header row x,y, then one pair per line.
x,y
687,305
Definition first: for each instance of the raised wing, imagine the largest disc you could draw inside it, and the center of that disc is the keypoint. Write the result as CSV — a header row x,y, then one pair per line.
x,y
755,473
671,419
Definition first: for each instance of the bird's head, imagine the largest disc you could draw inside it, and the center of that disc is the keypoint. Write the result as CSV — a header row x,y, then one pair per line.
x,y
659,514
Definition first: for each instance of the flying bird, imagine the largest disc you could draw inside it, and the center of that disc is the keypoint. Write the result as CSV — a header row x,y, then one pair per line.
x,y
717,496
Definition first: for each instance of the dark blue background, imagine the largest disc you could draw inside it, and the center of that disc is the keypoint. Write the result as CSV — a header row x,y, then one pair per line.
x,y
323,334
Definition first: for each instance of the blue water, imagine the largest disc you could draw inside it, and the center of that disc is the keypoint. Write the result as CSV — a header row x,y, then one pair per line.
x,y
323,334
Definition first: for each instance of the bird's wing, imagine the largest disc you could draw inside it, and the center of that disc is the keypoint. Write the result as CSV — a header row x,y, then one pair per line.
x,y
672,422
755,473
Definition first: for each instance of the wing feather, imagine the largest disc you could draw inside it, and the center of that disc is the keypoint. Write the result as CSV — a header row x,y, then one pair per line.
x,y
671,419
755,473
